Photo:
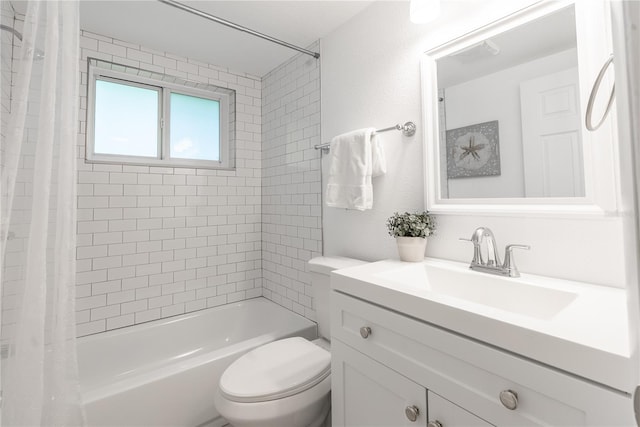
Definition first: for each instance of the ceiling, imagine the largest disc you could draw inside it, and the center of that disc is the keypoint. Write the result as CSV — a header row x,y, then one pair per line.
x,y
536,39
165,28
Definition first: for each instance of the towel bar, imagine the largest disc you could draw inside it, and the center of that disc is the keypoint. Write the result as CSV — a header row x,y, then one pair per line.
x,y
408,129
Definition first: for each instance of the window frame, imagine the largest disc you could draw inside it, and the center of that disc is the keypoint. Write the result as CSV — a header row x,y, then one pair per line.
x,y
164,89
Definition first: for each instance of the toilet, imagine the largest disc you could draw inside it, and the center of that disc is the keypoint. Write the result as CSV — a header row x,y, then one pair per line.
x,y
285,383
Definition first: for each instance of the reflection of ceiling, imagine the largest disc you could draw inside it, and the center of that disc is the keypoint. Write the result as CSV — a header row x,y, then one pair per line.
x,y
164,28
542,37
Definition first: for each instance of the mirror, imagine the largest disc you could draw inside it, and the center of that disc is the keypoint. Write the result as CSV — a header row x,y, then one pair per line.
x,y
509,117
508,137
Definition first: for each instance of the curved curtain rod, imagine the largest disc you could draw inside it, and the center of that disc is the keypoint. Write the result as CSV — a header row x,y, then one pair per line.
x,y
230,24
38,53
11,30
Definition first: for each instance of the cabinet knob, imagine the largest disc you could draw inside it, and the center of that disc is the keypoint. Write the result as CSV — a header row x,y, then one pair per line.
x,y
435,423
365,331
412,412
509,399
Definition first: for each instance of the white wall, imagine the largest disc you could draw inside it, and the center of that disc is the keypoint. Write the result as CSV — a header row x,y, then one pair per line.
x,y
371,77
155,242
291,212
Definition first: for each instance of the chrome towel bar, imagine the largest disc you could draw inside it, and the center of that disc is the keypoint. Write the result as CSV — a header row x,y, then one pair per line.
x,y
408,129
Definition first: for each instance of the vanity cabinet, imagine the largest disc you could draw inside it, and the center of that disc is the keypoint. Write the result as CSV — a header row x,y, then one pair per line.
x,y
385,365
372,394
444,413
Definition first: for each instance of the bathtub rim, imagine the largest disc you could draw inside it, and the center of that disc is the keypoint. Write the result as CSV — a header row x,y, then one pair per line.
x,y
180,317
102,388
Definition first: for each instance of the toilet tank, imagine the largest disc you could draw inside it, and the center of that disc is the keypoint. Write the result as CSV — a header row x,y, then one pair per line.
x,y
321,268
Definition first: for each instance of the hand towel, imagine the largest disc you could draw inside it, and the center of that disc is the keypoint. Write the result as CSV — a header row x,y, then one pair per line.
x,y
378,160
354,158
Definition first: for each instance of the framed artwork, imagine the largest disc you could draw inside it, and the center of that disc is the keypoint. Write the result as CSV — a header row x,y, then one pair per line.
x,y
473,151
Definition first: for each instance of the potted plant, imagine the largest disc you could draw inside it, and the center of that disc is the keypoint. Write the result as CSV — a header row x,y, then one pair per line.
x,y
411,231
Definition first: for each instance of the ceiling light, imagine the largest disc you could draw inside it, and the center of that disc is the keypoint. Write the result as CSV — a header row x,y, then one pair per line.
x,y
423,11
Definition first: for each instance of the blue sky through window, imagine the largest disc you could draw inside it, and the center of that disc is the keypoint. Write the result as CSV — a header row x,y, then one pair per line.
x,y
126,120
194,128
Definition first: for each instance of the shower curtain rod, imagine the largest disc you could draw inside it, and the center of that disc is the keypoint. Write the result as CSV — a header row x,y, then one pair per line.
x,y
37,53
230,24
11,30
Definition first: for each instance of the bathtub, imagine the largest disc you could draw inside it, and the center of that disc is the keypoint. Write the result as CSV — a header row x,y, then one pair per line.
x,y
164,373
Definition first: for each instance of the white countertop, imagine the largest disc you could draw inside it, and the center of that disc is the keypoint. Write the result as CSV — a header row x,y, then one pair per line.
x,y
587,336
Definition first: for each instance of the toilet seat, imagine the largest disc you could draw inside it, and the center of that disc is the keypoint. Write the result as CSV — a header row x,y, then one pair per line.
x,y
276,370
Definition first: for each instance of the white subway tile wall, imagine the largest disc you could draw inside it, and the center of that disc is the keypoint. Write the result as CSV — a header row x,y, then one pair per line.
x,y
291,185
155,242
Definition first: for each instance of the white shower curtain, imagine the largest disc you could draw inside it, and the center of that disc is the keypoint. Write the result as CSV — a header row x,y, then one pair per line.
x,y
38,158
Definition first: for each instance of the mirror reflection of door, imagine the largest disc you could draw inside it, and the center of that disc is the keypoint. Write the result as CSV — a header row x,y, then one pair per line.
x,y
552,149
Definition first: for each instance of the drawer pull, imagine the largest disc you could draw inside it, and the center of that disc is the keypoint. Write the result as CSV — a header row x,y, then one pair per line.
x,y
435,423
509,399
365,331
412,412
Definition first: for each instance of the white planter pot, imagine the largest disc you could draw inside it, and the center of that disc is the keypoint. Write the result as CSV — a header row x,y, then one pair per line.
x,y
411,249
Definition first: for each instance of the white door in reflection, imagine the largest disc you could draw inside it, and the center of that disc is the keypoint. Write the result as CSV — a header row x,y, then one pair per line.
x,y
552,146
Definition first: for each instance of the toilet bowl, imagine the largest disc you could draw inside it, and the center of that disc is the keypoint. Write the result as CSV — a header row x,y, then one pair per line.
x,y
285,383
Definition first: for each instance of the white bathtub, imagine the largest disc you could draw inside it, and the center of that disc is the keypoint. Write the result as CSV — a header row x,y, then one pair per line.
x,y
164,373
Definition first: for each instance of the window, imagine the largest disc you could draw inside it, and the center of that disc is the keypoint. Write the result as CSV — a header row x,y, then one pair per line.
x,y
126,119
139,120
193,135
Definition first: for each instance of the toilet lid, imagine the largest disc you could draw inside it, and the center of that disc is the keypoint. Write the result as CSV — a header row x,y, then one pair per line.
x,y
275,370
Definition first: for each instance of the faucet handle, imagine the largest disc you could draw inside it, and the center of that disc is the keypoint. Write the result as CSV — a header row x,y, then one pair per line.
x,y
509,261
509,247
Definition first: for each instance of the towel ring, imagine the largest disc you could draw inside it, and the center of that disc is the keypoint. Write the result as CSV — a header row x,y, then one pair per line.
x,y
588,119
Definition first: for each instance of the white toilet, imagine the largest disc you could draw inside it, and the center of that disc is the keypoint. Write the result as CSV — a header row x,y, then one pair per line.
x,y
285,383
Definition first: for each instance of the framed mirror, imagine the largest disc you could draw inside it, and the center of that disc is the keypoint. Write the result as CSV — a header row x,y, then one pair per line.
x,y
504,116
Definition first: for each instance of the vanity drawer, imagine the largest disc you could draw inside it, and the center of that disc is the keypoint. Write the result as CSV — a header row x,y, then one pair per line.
x,y
471,374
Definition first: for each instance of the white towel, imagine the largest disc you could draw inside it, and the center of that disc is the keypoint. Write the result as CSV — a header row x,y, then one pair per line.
x,y
354,158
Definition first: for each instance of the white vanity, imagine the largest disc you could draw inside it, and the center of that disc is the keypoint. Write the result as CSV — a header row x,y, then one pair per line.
x,y
413,344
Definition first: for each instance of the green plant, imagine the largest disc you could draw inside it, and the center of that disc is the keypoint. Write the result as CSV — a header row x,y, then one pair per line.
x,y
419,224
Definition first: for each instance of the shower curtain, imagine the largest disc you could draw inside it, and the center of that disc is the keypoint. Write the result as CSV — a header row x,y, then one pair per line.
x,y
39,374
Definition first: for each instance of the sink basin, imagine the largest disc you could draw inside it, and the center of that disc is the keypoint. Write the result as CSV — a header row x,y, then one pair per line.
x,y
577,327
515,295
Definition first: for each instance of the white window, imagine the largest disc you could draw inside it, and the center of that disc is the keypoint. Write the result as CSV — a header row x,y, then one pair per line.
x,y
139,120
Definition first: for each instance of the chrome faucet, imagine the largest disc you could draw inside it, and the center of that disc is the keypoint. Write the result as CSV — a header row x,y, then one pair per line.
x,y
492,264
